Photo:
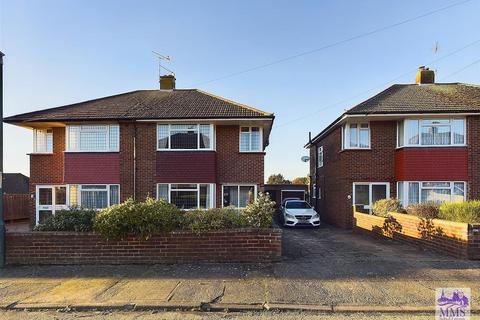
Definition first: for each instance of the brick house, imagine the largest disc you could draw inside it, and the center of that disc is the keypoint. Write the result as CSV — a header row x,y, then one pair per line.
x,y
416,142
194,149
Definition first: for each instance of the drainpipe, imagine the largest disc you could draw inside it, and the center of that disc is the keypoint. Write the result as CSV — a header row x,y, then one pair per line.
x,y
2,222
134,161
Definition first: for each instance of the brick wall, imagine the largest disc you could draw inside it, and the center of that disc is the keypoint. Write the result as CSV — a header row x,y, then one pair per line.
x,y
344,167
234,166
454,238
146,170
245,245
127,132
473,146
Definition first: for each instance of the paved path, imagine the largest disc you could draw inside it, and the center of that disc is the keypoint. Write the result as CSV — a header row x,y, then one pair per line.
x,y
323,269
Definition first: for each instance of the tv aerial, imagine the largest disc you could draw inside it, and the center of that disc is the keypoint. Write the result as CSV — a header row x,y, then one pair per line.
x,y
160,66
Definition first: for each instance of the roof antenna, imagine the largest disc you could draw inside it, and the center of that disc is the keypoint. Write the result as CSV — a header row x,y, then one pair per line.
x,y
160,67
436,49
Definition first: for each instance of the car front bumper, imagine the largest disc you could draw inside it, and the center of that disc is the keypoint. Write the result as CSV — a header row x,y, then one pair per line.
x,y
292,222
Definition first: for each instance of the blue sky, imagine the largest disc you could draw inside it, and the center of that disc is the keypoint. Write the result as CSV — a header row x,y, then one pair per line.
x,y
61,52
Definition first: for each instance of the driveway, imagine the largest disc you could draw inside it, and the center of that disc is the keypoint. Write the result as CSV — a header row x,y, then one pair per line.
x,y
327,269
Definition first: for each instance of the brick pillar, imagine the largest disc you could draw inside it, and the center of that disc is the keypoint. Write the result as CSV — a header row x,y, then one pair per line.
x,y
473,147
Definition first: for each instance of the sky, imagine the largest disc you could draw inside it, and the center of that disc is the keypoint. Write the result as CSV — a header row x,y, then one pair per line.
x,y
61,52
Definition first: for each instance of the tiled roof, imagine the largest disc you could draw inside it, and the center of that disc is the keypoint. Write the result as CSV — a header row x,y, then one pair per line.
x,y
414,98
146,104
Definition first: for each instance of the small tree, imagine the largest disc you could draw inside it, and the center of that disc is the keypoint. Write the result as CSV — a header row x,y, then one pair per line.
x,y
301,180
277,179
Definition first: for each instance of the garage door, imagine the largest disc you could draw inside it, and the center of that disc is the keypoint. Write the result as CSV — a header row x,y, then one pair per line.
x,y
300,194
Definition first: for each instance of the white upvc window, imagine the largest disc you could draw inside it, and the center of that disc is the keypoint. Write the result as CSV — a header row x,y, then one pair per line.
x,y
180,137
412,192
42,140
320,156
431,132
187,196
94,196
365,194
356,136
93,138
251,139
238,195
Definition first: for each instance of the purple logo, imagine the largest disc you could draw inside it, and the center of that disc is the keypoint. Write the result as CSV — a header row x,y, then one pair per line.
x,y
452,303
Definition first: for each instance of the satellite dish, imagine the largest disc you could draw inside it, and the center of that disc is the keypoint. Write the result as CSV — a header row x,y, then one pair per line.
x,y
305,158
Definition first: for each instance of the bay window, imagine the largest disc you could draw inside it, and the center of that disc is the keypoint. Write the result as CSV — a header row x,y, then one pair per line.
x,y
42,140
93,138
238,196
431,132
187,196
185,136
356,136
250,139
412,192
92,196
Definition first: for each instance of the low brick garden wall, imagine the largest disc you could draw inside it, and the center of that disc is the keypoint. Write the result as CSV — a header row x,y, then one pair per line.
x,y
454,238
244,245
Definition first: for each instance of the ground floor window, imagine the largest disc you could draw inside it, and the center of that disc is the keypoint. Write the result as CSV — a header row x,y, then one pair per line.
x,y
365,194
238,196
50,199
411,192
187,195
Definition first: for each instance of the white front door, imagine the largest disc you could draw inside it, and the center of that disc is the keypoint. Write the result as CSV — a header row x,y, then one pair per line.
x,y
365,194
49,200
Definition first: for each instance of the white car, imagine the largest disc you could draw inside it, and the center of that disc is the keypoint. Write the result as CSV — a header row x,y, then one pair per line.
x,y
299,213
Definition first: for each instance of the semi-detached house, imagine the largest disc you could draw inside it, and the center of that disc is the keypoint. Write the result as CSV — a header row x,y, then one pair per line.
x,y
187,146
416,142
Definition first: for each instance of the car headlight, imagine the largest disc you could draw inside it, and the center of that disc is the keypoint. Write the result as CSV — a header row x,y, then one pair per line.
x,y
290,216
315,215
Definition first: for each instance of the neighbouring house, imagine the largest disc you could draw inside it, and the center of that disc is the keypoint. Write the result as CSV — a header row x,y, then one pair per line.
x,y
15,183
416,142
187,146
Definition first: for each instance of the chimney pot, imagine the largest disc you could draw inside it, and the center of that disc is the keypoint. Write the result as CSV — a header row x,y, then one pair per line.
x,y
167,82
425,76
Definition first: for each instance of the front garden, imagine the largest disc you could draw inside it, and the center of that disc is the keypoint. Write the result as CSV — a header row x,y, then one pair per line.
x,y
450,227
152,231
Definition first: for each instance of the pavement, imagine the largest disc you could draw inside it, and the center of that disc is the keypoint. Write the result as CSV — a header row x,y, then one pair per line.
x,y
324,270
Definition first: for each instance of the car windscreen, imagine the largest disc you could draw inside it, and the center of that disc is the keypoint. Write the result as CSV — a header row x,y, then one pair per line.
x,y
297,205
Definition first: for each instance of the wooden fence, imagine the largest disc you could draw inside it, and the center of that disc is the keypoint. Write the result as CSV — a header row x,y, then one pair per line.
x,y
16,206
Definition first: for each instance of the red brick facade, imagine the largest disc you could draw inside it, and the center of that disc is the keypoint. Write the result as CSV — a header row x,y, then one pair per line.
x,y
244,245
383,162
224,165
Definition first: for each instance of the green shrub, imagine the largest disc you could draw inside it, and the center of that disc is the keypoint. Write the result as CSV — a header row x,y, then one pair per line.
x,y
202,220
140,219
427,210
75,219
382,207
468,211
259,214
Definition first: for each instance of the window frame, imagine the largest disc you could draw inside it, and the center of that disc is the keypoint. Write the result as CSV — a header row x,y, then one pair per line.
x,y
211,196
370,193
69,127
346,136
320,151
212,136
420,125
48,146
405,201
79,192
238,185
260,129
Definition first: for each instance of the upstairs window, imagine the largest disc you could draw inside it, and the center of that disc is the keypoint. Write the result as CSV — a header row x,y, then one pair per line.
x,y
320,157
431,132
93,138
42,140
185,137
356,136
250,139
